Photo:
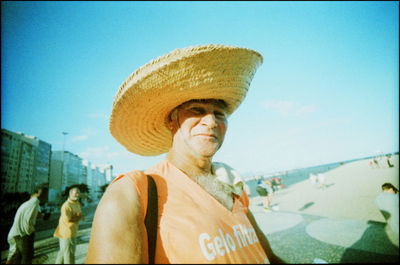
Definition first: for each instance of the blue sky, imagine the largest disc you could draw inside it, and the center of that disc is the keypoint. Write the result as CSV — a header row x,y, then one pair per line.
x,y
328,89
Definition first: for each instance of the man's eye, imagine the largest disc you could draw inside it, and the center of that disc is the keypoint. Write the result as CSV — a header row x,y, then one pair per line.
x,y
219,114
197,110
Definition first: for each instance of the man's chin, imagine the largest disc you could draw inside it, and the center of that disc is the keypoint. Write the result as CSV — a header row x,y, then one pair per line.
x,y
206,149
207,153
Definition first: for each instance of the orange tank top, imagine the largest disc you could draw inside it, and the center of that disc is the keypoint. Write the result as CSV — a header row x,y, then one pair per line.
x,y
193,227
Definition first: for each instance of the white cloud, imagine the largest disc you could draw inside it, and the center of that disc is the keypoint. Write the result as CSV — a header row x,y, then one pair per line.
x,y
85,133
283,107
332,122
90,131
101,154
97,115
94,153
295,132
304,110
79,138
288,108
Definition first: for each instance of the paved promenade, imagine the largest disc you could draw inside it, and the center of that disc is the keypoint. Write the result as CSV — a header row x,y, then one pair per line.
x,y
338,224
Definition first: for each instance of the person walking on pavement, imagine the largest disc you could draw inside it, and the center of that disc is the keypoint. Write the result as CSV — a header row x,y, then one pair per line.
x,y
178,104
321,181
67,228
265,191
22,233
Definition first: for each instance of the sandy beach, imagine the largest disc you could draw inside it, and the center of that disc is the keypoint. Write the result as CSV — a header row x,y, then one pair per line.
x,y
338,224
350,192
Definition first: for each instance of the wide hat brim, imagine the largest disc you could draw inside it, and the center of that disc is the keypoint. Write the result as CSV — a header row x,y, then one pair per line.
x,y
144,101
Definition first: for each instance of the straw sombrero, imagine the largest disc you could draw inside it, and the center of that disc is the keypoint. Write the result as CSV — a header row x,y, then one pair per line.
x,y
143,102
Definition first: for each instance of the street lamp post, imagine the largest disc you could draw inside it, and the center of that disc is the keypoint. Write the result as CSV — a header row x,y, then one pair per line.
x,y
62,161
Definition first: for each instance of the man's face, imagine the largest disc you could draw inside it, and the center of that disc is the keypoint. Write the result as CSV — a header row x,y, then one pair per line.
x,y
74,194
390,190
202,125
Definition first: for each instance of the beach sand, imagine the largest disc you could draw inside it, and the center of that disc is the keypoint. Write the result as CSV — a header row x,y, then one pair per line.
x,y
338,224
350,192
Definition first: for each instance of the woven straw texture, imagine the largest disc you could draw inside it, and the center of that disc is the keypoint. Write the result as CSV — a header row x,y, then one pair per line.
x,y
143,102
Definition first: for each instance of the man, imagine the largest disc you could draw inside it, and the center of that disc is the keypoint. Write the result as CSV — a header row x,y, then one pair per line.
x,y
264,190
179,104
388,204
21,236
67,228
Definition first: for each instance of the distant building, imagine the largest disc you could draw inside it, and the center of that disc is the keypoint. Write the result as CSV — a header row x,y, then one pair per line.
x,y
99,179
25,162
88,174
41,169
66,170
55,183
107,170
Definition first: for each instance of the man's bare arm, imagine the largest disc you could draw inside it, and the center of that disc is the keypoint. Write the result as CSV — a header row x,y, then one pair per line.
x,y
264,241
118,231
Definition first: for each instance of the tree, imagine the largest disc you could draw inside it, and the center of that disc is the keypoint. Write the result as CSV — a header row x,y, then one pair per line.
x,y
103,189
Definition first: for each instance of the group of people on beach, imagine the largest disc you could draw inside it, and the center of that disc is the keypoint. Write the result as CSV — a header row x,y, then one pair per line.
x,y
382,161
318,180
266,189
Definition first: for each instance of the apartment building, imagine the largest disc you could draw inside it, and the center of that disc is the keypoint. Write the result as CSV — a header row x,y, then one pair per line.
x,y
25,162
41,172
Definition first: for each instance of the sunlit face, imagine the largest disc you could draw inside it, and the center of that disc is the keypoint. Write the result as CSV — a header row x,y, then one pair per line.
x,y
74,194
202,126
389,191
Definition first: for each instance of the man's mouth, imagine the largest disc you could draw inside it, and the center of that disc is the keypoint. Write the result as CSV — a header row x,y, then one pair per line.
x,y
207,135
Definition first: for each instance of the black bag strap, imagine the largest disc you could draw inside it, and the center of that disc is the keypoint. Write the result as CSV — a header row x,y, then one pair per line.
x,y
151,218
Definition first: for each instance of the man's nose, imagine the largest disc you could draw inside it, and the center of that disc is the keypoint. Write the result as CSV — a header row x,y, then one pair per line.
x,y
210,120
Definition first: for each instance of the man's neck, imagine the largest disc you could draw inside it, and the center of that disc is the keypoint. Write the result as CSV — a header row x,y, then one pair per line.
x,y
199,169
192,166
35,196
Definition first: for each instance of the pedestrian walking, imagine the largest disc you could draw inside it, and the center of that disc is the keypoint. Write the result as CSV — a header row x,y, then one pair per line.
x,y
314,180
22,233
388,203
321,181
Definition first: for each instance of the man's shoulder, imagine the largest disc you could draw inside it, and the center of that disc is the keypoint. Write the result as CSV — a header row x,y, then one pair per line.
x,y
32,202
67,204
139,174
124,187
120,199
159,168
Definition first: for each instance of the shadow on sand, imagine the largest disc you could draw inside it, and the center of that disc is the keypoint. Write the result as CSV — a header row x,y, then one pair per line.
x,y
307,205
374,238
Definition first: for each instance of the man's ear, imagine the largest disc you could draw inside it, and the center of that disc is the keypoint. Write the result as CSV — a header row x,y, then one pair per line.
x,y
172,125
